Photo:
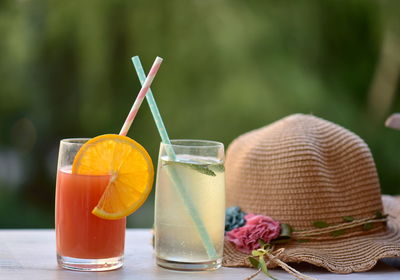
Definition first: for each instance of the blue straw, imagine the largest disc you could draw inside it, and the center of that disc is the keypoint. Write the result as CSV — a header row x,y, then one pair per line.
x,y
187,200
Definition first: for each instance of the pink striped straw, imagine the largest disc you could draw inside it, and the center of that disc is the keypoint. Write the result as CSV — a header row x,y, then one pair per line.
x,y
141,95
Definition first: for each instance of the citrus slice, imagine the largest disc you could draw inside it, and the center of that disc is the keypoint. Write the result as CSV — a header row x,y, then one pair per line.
x,y
130,169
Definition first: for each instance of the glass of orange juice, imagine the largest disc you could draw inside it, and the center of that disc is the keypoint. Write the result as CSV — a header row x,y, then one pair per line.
x,y
85,242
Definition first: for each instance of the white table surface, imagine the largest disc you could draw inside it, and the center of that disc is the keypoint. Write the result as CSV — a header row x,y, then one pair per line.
x,y
30,255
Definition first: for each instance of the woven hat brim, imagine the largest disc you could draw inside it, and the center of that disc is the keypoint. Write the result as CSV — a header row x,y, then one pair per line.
x,y
345,255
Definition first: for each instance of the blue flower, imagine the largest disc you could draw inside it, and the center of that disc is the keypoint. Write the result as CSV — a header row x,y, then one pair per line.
x,y
234,218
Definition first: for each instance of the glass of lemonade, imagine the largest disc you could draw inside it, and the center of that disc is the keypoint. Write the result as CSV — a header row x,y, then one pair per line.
x,y
84,241
198,167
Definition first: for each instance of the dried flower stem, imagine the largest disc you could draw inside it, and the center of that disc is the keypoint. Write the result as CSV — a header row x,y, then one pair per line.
x,y
253,275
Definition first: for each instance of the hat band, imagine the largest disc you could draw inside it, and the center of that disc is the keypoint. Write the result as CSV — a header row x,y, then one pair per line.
x,y
338,230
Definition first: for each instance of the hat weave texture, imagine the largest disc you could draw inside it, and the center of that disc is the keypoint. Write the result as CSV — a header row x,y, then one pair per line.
x,y
303,169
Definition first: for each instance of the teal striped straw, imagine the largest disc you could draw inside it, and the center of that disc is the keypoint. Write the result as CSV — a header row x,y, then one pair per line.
x,y
185,196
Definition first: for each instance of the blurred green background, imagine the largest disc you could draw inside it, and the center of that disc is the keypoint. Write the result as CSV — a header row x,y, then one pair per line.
x,y
230,67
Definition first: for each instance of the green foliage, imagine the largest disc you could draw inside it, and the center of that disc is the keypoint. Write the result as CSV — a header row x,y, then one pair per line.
x,y
320,224
230,67
203,169
285,235
259,262
338,232
254,262
348,218
217,167
368,226
379,215
302,240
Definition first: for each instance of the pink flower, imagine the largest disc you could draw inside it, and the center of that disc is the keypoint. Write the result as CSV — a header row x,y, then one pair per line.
x,y
257,227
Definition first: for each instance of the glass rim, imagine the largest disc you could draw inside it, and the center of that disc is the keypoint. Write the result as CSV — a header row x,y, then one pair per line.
x,y
74,140
203,143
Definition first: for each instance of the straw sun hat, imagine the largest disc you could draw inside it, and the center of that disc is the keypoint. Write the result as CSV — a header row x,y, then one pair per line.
x,y
304,170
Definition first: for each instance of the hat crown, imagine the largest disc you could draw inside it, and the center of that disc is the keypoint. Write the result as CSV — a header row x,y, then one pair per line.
x,y
302,169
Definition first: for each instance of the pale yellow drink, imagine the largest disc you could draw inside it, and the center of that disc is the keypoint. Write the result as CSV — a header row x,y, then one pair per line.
x,y
177,238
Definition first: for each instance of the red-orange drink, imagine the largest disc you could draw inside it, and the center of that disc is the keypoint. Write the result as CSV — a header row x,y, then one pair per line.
x,y
80,234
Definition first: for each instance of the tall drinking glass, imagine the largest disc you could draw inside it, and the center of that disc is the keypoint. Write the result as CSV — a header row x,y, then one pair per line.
x,y
192,178
84,241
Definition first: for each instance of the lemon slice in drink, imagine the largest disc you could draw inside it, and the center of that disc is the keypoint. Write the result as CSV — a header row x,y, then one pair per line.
x,y
130,169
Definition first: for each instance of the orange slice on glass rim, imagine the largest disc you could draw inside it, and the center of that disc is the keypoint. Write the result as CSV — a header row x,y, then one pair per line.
x,y
129,166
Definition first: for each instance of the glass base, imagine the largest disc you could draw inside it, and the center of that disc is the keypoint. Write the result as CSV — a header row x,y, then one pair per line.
x,y
190,266
90,264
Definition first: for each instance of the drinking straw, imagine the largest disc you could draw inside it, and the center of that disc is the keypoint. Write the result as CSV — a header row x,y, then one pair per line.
x,y
186,198
142,93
